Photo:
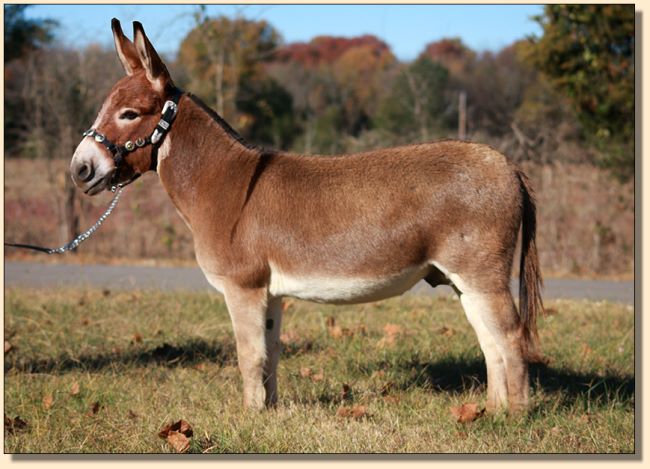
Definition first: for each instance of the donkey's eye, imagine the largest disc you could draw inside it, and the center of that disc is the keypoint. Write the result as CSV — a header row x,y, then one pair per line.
x,y
129,115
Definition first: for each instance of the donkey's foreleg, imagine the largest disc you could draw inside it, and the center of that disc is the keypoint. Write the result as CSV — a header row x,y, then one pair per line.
x,y
272,338
247,309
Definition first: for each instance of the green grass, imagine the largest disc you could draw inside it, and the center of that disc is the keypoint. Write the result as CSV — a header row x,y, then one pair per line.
x,y
151,358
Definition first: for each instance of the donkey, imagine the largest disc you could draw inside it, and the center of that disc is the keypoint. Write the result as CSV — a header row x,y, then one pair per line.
x,y
344,229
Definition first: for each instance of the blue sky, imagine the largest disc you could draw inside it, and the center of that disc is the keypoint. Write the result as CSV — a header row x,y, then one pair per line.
x,y
406,28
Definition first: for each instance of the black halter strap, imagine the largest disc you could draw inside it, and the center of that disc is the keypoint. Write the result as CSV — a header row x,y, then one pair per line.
x,y
120,152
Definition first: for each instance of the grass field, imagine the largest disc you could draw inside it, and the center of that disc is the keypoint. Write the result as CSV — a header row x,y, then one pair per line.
x,y
97,371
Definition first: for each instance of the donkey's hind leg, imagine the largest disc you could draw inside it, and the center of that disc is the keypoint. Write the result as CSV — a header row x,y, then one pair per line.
x,y
496,322
272,338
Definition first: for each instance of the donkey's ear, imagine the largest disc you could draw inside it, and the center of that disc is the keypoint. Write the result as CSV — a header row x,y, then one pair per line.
x,y
154,67
125,49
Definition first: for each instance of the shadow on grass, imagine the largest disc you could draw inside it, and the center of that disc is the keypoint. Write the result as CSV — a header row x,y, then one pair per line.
x,y
458,375
187,354
452,375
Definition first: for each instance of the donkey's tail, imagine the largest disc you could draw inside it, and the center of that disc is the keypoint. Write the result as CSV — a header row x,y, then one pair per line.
x,y
530,277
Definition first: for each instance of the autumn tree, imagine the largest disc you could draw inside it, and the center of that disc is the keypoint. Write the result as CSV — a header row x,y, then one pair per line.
x,y
587,52
23,35
451,53
335,83
221,53
417,101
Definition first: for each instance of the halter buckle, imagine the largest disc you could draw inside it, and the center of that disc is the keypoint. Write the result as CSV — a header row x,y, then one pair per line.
x,y
174,108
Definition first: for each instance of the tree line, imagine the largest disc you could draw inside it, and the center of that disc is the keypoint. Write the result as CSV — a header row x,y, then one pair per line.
x,y
567,95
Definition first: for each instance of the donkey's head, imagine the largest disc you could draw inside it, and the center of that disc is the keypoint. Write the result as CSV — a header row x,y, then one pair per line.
x,y
120,145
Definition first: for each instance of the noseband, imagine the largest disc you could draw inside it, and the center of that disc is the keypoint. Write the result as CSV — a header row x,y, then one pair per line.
x,y
120,152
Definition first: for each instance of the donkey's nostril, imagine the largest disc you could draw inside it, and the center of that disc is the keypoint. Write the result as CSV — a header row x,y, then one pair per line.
x,y
85,172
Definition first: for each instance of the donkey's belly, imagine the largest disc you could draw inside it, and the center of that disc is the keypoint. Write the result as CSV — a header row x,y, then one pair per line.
x,y
344,289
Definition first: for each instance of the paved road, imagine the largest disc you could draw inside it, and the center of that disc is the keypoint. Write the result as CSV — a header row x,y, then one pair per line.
x,y
27,274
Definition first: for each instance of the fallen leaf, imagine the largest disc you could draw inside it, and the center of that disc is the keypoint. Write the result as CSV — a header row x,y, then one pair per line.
x,y
94,408
8,346
289,337
85,321
14,425
137,337
318,377
346,392
181,426
178,441
132,415
200,366
446,331
391,399
391,332
177,435
74,389
393,329
466,412
305,372
48,401
355,412
336,331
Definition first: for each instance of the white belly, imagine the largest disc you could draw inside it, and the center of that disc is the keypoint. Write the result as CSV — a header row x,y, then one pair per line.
x,y
344,289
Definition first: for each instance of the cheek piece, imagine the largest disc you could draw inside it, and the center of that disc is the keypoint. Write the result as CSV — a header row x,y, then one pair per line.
x,y
120,152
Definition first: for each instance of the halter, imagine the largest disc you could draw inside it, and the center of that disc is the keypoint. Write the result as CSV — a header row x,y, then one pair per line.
x,y
120,152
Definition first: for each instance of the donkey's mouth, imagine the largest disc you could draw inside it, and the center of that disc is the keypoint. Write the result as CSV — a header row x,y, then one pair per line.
x,y
98,186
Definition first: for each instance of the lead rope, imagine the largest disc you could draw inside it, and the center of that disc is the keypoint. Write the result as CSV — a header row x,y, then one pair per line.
x,y
83,236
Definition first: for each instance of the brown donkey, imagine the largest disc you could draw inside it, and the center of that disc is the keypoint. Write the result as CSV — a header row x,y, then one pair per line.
x,y
344,229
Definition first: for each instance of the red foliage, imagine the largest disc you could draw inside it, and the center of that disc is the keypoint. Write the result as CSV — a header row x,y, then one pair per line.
x,y
452,53
326,49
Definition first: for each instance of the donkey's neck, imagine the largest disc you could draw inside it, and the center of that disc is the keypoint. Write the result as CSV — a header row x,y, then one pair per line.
x,y
205,166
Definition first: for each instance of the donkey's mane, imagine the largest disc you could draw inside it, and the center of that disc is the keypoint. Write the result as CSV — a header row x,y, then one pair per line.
x,y
222,123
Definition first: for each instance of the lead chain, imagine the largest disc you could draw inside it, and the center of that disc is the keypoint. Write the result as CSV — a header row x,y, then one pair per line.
x,y
86,234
